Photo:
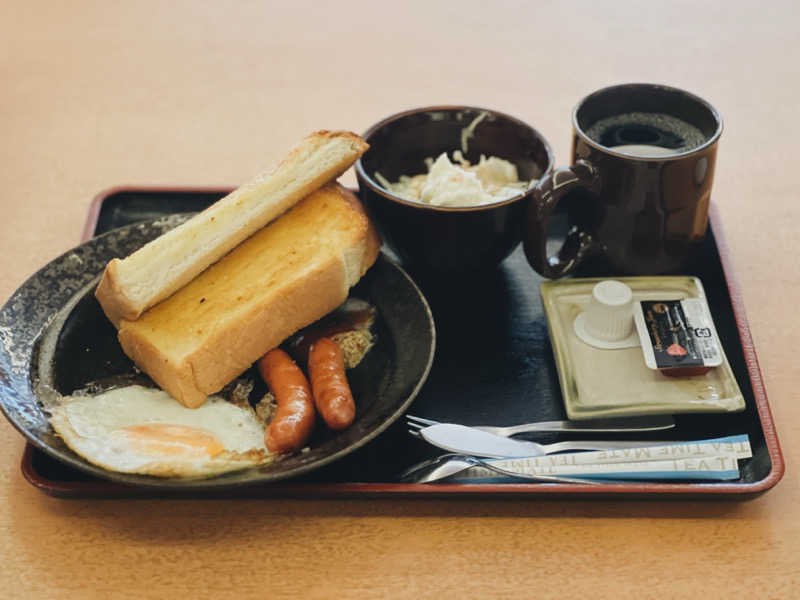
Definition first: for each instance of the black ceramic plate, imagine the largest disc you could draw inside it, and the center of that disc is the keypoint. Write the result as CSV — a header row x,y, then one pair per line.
x,y
53,331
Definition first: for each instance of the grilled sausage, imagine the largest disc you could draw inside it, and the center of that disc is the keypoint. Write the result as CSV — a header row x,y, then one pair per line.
x,y
332,395
293,421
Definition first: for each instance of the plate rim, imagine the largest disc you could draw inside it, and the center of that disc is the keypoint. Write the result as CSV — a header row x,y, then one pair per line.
x,y
217,482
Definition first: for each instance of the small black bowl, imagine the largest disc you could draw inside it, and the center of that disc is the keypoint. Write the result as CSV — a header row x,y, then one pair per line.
x,y
448,239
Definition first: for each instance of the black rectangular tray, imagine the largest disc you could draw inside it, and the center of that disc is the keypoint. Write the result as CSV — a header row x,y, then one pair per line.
x,y
493,364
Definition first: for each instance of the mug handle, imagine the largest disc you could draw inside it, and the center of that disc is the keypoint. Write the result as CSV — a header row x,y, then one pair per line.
x,y
546,195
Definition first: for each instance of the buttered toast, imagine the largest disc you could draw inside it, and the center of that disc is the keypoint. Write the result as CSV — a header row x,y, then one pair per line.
x,y
285,276
131,285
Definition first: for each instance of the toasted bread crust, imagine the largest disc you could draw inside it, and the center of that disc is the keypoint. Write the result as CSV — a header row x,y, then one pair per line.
x,y
226,340
130,286
111,297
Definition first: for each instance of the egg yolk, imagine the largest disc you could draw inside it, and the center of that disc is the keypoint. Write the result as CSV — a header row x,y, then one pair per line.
x,y
165,438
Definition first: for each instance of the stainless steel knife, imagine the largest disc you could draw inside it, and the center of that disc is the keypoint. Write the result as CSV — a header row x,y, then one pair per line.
x,y
467,440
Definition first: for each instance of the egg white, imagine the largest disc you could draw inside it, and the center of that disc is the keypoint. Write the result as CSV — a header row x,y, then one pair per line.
x,y
143,430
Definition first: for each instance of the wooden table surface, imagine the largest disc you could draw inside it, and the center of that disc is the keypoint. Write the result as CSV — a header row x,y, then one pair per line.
x,y
98,94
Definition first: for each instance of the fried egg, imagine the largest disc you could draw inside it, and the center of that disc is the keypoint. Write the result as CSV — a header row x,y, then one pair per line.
x,y
135,429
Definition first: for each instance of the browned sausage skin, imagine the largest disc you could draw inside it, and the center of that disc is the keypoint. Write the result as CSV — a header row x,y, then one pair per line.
x,y
293,421
332,395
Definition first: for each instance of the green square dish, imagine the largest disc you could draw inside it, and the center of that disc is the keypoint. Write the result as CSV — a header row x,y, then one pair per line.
x,y
615,383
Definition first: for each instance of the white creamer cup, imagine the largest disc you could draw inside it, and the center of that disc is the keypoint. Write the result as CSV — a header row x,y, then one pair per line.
x,y
607,322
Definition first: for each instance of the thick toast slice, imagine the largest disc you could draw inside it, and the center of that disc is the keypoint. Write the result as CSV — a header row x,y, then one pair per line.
x,y
289,274
131,285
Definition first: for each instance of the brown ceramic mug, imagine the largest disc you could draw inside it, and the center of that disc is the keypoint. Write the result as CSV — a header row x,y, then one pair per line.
x,y
643,159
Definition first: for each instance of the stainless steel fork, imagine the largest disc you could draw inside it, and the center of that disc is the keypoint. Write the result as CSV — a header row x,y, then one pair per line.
x,y
620,425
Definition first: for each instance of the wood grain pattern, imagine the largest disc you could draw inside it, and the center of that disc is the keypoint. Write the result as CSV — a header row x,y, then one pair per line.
x,y
97,94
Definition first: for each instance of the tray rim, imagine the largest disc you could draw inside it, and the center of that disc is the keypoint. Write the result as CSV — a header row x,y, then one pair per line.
x,y
102,487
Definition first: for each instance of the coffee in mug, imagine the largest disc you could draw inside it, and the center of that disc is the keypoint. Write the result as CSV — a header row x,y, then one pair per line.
x,y
646,135
644,156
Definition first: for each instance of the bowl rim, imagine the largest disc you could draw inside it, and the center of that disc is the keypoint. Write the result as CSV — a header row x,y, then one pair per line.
x,y
364,177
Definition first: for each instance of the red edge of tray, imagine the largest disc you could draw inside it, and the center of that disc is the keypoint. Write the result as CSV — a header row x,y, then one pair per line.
x,y
97,487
